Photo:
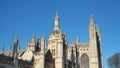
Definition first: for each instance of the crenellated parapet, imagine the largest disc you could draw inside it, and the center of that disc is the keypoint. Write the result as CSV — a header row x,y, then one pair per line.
x,y
83,44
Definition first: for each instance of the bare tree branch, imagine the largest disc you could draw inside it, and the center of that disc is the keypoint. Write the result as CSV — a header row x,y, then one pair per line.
x,y
114,61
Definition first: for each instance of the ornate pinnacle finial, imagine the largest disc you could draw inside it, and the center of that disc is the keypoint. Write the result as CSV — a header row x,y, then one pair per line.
x,y
77,39
56,25
91,17
56,16
16,40
91,21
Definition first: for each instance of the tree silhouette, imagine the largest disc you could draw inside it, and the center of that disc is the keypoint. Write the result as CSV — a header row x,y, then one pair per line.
x,y
114,61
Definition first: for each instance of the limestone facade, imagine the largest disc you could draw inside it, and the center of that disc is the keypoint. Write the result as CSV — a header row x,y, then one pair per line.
x,y
57,53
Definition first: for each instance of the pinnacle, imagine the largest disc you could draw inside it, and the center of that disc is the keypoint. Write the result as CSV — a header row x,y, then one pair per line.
x,y
33,38
91,20
56,16
91,17
16,38
56,12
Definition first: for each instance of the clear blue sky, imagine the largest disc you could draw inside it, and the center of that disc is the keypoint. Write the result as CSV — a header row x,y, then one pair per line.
x,y
28,17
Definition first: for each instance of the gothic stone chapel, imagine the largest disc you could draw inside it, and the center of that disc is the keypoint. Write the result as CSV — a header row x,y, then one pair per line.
x,y
57,53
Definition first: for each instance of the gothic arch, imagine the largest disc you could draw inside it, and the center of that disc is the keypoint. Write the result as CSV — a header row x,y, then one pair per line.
x,y
84,61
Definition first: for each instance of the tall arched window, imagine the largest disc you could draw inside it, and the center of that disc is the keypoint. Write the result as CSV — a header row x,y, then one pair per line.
x,y
84,61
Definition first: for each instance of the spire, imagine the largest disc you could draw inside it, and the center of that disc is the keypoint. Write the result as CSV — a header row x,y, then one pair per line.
x,y
56,25
77,39
16,40
92,31
18,49
92,26
43,45
43,41
15,47
91,21
33,39
38,41
56,16
10,50
3,49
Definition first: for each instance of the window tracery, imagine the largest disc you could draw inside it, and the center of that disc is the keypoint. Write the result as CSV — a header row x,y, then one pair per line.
x,y
84,61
